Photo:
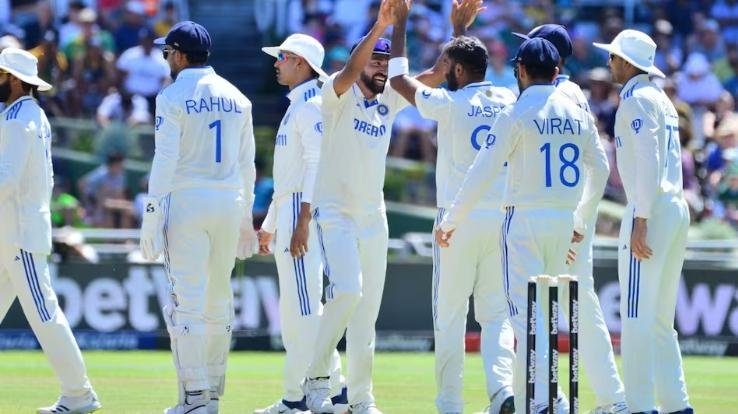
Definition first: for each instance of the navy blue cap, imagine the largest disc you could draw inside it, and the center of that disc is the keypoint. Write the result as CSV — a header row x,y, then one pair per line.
x,y
187,36
537,51
382,47
554,33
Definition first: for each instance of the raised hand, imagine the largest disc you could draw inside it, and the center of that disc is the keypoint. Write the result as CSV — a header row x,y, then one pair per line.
x,y
463,13
386,15
402,10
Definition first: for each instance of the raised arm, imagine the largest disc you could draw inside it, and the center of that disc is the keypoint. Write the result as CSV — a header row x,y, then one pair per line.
x,y
463,14
363,52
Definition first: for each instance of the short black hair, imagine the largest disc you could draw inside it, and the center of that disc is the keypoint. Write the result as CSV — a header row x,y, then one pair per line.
x,y
469,52
539,72
197,58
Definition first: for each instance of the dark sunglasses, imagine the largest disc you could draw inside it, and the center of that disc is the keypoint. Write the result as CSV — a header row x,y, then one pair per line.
x,y
166,51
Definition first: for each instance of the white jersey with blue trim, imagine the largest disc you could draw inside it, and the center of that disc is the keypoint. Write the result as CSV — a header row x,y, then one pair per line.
x,y
26,176
203,136
647,144
572,90
297,148
353,153
550,144
465,118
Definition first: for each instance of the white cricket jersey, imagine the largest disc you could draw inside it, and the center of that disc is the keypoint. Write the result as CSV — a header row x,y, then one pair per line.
x,y
564,85
465,118
353,152
550,145
647,144
203,135
297,148
26,176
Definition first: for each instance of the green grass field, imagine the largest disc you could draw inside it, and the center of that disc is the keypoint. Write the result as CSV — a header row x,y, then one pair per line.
x,y
143,382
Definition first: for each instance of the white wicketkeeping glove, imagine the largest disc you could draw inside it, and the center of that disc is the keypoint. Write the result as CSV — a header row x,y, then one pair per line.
x,y
248,243
152,237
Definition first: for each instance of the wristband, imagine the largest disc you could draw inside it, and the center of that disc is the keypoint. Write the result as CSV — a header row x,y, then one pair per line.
x,y
398,66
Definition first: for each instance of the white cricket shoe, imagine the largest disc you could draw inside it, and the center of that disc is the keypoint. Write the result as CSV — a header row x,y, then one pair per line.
x,y
318,395
617,408
364,408
340,402
73,405
196,402
502,402
214,403
285,407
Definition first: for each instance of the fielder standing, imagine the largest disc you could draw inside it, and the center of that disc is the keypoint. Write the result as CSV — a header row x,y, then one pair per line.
x,y
471,266
200,195
595,349
296,156
26,180
551,146
653,232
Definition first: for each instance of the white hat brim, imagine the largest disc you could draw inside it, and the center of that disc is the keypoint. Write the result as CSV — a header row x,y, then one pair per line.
x,y
43,86
610,48
273,51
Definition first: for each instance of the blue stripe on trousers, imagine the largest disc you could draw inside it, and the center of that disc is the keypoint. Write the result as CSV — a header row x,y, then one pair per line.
x,y
326,267
436,266
298,263
32,278
634,279
510,211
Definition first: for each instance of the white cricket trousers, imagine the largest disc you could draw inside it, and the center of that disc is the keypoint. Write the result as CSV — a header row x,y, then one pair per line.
x,y
595,346
470,265
201,235
652,362
534,241
26,275
354,252
300,293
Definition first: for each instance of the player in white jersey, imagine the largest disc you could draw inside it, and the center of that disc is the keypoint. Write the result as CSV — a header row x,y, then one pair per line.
x,y
653,232
296,156
557,170
198,211
471,266
26,180
598,359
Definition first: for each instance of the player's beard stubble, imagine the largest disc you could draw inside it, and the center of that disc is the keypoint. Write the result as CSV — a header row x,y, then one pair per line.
x,y
375,83
451,80
4,91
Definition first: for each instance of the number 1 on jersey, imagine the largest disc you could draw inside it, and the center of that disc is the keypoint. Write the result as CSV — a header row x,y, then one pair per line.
x,y
216,125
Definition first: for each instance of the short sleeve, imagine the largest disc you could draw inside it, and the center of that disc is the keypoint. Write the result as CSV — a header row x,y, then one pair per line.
x,y
432,103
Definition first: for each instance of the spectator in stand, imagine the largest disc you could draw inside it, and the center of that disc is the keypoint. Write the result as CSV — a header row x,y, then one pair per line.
x,y
94,75
170,17
263,191
348,14
91,33
668,53
584,57
719,150
690,184
723,67
603,100
123,108
499,70
103,193
336,59
414,137
700,88
134,19
35,29
709,42
72,27
685,112
53,66
728,194
726,14
142,69
724,108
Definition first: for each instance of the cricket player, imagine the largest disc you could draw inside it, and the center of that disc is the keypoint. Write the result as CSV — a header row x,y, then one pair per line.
x,y
471,266
557,170
296,156
595,348
653,232
26,180
198,211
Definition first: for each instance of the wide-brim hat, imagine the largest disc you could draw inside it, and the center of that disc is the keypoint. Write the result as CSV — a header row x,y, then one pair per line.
x,y
23,65
307,47
636,48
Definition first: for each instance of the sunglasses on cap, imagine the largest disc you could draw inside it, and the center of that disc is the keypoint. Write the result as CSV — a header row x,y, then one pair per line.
x,y
166,50
283,56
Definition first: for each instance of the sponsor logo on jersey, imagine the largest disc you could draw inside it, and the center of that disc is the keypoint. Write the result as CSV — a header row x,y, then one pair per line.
x,y
482,131
157,122
318,127
636,125
369,129
426,94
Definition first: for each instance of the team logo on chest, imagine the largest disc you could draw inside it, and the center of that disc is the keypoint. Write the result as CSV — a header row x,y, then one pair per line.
x,y
636,124
382,109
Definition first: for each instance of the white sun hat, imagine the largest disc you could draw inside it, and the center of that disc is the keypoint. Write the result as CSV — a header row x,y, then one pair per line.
x,y
307,47
23,65
637,48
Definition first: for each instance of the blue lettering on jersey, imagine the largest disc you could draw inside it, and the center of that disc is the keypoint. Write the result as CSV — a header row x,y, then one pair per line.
x,y
549,126
211,104
618,142
281,140
636,124
369,129
426,94
489,140
157,122
319,127
484,111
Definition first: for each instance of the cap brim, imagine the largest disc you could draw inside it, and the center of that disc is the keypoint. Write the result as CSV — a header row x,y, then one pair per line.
x,y
521,35
42,85
160,41
273,51
610,48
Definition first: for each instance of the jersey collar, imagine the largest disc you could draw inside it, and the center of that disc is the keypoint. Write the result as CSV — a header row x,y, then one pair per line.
x,y
477,84
301,91
20,99
197,71
535,90
627,89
